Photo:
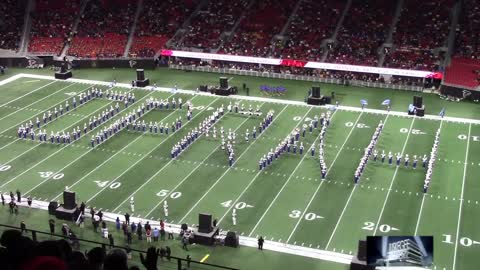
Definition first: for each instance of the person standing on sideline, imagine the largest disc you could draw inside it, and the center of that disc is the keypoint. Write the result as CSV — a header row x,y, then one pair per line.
x,y
139,231
51,224
170,232
82,208
11,205
185,243
19,197
260,243
156,232
92,212
117,223
148,234
23,227
129,237
127,218
162,234
110,240
29,201
100,215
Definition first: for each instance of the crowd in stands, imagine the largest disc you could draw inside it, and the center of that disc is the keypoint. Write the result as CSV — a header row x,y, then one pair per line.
x,y
304,41
424,24
157,23
262,21
422,27
20,252
412,59
11,23
52,24
103,29
215,18
362,33
467,40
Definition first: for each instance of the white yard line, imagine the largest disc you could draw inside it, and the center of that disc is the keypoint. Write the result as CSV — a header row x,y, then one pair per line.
x,y
260,99
461,199
345,207
31,92
62,148
29,105
321,183
260,172
153,149
226,171
283,187
423,200
393,179
181,182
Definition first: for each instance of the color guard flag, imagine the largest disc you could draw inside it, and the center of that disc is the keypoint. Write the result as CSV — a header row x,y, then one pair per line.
x,y
442,113
363,102
386,102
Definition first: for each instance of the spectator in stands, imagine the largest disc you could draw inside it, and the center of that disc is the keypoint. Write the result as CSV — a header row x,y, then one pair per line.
x,y
116,259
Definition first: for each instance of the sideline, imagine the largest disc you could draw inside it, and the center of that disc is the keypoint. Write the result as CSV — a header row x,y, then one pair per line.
x,y
244,241
260,99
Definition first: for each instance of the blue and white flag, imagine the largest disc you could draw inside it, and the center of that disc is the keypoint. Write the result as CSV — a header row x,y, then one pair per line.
x,y
411,108
442,112
386,102
332,108
363,102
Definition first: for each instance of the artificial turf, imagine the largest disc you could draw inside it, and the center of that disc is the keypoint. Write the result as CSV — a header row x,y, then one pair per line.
x,y
287,202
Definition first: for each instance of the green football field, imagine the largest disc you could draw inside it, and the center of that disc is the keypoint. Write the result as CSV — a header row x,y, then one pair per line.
x,y
286,203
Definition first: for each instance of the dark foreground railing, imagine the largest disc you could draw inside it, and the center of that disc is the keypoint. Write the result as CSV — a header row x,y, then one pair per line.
x,y
77,243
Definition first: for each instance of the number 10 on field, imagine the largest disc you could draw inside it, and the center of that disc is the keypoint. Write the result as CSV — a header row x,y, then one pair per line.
x,y
464,241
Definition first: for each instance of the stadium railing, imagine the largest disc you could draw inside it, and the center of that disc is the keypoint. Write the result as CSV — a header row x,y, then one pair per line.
x,y
82,244
296,77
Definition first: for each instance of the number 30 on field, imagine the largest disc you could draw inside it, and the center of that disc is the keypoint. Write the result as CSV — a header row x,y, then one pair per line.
x,y
308,216
53,175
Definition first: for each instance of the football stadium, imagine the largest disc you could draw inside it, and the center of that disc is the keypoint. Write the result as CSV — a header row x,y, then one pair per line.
x,y
249,134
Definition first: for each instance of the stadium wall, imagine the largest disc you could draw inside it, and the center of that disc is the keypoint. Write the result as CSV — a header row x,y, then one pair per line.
x,y
296,77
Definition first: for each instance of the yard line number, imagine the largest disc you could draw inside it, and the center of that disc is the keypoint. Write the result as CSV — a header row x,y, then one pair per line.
x,y
385,228
113,185
464,137
464,241
50,174
359,125
414,131
308,216
238,206
4,167
174,195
